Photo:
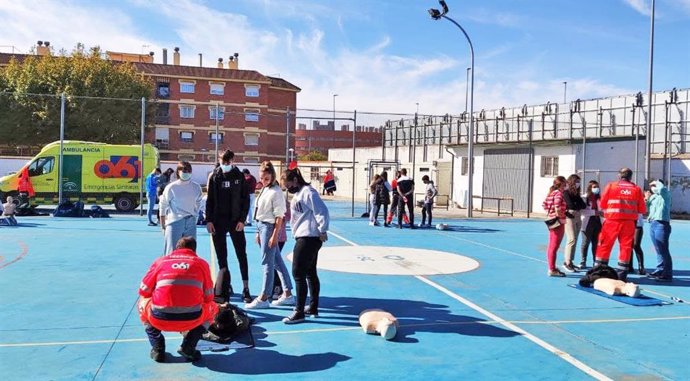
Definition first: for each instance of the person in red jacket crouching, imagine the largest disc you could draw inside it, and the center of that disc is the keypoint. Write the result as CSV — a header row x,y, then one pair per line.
x,y
177,295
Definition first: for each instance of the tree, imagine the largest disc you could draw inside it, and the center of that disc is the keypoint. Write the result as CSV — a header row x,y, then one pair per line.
x,y
314,156
103,99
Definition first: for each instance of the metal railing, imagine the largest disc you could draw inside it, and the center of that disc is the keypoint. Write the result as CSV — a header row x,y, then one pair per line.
x,y
498,207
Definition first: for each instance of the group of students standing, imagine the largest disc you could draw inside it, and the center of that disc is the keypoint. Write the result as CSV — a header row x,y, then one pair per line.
x,y
402,190
623,207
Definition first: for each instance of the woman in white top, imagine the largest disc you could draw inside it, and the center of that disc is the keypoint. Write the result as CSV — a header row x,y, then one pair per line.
x,y
269,213
179,207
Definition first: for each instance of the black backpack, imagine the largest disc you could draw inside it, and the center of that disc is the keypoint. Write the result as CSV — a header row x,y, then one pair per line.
x,y
227,324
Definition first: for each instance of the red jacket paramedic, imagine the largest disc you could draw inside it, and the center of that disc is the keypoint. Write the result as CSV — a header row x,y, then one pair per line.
x,y
179,285
622,201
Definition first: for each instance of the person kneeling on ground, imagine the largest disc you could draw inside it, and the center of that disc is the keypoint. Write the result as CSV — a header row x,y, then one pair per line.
x,y
8,211
177,295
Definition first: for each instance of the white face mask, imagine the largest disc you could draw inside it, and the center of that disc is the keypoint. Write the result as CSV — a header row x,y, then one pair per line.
x,y
595,190
185,176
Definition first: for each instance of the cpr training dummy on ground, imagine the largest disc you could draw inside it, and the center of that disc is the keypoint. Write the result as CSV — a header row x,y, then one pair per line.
x,y
617,287
604,278
376,321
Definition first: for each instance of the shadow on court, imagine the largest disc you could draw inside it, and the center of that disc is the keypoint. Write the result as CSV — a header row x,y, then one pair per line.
x,y
413,316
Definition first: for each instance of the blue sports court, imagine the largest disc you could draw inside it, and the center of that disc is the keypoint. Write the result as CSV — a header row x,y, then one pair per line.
x,y
473,302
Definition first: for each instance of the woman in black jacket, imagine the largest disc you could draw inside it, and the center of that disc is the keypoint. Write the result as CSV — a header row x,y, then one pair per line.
x,y
573,221
383,197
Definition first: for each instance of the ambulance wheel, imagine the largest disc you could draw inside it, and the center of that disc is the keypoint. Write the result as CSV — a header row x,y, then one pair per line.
x,y
124,203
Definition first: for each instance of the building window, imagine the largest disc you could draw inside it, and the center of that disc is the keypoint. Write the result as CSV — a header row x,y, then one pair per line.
x,y
314,173
463,166
217,89
187,111
251,90
163,90
212,137
212,112
187,87
251,115
186,157
549,166
251,159
186,136
251,139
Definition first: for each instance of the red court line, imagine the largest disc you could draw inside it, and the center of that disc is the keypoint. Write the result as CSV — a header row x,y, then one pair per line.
x,y
25,250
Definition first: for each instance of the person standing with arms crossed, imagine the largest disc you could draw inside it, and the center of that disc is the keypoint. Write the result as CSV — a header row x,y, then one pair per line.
x,y
227,206
309,223
621,202
658,200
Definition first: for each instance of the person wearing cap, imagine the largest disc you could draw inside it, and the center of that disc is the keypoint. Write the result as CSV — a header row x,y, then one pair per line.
x,y
250,182
621,202
658,201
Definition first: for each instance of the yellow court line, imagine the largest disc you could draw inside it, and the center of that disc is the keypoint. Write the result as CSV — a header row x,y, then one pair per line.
x,y
341,329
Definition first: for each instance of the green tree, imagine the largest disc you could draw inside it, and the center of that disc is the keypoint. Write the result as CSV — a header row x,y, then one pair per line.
x,y
103,99
314,156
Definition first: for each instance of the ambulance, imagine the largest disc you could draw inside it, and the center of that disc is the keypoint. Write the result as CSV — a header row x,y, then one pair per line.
x,y
95,173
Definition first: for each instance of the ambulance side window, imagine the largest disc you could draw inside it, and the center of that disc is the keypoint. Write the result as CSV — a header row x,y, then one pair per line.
x,y
41,166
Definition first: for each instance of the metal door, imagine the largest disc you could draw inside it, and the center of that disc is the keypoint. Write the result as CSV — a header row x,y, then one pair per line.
x,y
508,173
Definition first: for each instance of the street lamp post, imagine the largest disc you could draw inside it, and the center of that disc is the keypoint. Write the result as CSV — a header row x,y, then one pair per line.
x,y
648,133
467,87
334,95
565,91
436,15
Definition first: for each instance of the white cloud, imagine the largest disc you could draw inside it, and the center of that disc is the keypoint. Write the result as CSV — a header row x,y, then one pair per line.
x,y
641,6
367,78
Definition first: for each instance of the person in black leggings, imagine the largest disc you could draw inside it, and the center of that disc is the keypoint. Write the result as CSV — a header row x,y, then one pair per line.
x,y
309,222
637,247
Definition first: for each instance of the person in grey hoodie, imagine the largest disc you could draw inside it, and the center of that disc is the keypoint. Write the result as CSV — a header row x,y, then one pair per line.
x,y
309,222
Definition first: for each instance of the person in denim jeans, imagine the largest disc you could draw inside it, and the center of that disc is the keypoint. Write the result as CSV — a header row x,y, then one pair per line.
x,y
269,213
152,194
658,200
179,207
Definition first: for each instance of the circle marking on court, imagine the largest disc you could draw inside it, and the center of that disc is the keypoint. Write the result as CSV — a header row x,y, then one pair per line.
x,y
386,260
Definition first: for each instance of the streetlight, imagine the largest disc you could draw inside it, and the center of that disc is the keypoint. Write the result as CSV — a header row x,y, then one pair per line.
x,y
436,15
334,95
648,134
467,87
565,90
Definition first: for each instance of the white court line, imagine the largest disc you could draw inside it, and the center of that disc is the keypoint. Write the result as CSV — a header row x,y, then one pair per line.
x,y
338,329
558,352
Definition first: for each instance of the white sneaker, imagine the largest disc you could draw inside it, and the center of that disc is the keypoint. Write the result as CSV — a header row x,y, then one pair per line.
x,y
371,223
284,301
257,304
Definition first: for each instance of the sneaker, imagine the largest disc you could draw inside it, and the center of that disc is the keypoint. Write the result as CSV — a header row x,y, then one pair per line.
x,y
642,271
257,304
296,317
386,224
284,301
313,312
556,273
582,266
653,275
190,355
569,267
153,224
663,279
246,296
158,354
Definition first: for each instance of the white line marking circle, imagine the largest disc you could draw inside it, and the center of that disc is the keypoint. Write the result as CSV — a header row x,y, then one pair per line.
x,y
385,260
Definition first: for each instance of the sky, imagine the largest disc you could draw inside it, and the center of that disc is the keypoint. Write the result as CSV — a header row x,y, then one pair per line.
x,y
388,55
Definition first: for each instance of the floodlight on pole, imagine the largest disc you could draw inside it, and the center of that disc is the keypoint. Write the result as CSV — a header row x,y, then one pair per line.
x,y
437,15
648,133
565,91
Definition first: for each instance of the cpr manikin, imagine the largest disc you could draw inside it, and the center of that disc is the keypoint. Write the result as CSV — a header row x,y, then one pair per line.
x,y
376,321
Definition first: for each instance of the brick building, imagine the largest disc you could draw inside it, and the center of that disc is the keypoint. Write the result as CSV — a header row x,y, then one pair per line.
x,y
251,108
322,137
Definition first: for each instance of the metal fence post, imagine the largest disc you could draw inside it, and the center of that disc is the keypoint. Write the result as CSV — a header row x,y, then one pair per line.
x,y
141,159
62,138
